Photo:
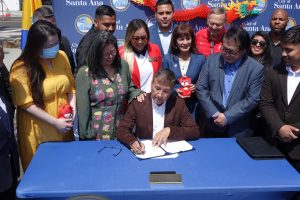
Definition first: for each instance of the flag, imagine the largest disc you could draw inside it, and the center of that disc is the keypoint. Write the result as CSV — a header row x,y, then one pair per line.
x,y
29,6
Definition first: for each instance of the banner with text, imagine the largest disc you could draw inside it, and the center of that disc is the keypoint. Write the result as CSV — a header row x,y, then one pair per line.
x,y
75,17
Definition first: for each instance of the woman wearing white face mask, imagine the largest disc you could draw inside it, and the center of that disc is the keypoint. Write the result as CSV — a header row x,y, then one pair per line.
x,y
41,81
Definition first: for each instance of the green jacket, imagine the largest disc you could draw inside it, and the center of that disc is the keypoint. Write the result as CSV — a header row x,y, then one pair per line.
x,y
101,102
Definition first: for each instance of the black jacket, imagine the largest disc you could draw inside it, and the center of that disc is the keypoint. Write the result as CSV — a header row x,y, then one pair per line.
x,y
65,46
84,45
8,147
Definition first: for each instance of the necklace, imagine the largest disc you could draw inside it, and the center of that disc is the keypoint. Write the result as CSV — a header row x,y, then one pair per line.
x,y
183,67
184,64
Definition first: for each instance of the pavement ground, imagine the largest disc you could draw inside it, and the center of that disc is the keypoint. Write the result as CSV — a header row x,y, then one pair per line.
x,y
10,34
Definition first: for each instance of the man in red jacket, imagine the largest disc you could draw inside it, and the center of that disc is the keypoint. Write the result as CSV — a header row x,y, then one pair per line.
x,y
209,40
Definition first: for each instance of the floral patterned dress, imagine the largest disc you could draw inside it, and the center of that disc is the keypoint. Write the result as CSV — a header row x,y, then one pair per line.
x,y
107,99
101,102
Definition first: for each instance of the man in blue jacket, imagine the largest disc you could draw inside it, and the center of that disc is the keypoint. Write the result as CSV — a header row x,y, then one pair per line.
x,y
161,32
228,87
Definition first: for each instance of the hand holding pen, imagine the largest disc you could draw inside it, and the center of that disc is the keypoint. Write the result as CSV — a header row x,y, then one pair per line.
x,y
138,147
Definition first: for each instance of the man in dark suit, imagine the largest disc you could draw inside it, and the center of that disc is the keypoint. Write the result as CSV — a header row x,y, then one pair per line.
x,y
280,98
9,158
161,32
161,116
228,87
278,23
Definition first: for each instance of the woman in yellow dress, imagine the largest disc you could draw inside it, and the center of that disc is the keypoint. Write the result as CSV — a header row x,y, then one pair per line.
x,y
41,81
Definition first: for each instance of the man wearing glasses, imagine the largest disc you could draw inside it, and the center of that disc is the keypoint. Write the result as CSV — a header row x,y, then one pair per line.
x,y
228,87
209,40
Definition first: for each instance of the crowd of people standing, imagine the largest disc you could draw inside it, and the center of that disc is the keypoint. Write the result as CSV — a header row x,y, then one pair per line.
x,y
234,85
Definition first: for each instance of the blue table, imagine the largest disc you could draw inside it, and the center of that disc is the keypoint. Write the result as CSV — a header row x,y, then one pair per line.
x,y
217,169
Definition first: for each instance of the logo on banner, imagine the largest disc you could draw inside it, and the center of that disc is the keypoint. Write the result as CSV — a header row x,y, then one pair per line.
x,y
292,22
120,5
151,21
262,5
189,4
83,23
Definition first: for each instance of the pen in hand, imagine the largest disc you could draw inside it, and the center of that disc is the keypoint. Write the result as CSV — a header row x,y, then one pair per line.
x,y
137,147
141,147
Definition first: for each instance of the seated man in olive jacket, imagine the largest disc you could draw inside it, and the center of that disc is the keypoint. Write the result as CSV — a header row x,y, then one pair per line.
x,y
161,116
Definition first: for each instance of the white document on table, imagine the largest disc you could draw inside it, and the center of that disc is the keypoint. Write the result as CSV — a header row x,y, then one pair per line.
x,y
150,151
174,155
177,146
170,150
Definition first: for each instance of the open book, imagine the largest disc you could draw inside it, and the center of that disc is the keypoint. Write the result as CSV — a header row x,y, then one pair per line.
x,y
172,147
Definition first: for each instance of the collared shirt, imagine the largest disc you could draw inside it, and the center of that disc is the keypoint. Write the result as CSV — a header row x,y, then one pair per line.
x,y
165,39
293,80
2,105
146,71
158,117
4,116
230,72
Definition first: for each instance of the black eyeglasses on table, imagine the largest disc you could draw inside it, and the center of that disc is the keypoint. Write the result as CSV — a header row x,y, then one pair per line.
x,y
119,149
